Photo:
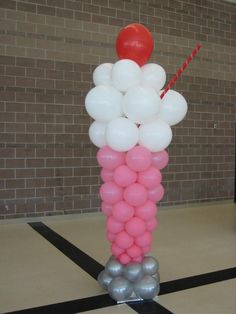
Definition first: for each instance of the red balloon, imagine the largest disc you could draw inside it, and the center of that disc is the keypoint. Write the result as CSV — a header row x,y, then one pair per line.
x,y
134,42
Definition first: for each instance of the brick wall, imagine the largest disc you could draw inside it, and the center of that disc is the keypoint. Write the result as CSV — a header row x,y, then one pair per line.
x,y
48,50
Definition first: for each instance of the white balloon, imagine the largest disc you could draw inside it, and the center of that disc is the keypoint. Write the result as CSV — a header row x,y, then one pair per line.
x,y
125,74
153,75
173,107
104,103
102,74
122,134
155,135
97,131
141,104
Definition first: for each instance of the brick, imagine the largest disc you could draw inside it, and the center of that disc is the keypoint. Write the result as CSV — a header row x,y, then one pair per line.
x,y
45,172
25,193
34,183
6,173
61,99
15,127
53,74
54,128
54,162
7,194
25,152
35,128
44,98
48,64
56,3
26,7
24,173
14,184
46,10
43,83
7,60
35,53
23,81
35,18
82,204
63,172
34,163
65,205
8,4
108,11
7,152
44,138
69,14
25,138
81,16
99,19
25,117
44,118
44,207
115,21
44,192
7,137
13,70
25,62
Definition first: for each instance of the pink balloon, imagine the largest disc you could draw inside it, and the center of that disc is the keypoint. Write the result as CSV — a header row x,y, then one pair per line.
x,y
156,194
146,249
116,250
124,259
106,175
147,211
144,240
137,259
150,178
138,158
124,176
151,224
111,193
111,236
109,158
106,208
134,251
160,159
124,240
135,194
135,227
114,226
122,211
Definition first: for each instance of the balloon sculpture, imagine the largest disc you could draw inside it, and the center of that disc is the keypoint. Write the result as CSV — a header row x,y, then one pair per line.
x,y
132,128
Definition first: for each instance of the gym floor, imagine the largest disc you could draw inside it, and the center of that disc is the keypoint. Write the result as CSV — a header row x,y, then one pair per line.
x,y
51,265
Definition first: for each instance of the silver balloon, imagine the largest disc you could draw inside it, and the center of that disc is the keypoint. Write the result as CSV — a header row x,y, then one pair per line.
x,y
150,265
147,287
104,279
120,289
114,268
133,272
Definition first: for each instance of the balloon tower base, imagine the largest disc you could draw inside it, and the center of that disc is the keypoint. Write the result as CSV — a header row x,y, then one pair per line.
x,y
132,282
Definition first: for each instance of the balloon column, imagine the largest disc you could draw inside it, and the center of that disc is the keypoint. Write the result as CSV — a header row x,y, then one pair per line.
x,y
132,128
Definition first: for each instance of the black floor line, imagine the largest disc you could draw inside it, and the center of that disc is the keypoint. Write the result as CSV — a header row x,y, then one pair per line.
x,y
197,281
93,303
71,307
84,261
149,307
93,268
